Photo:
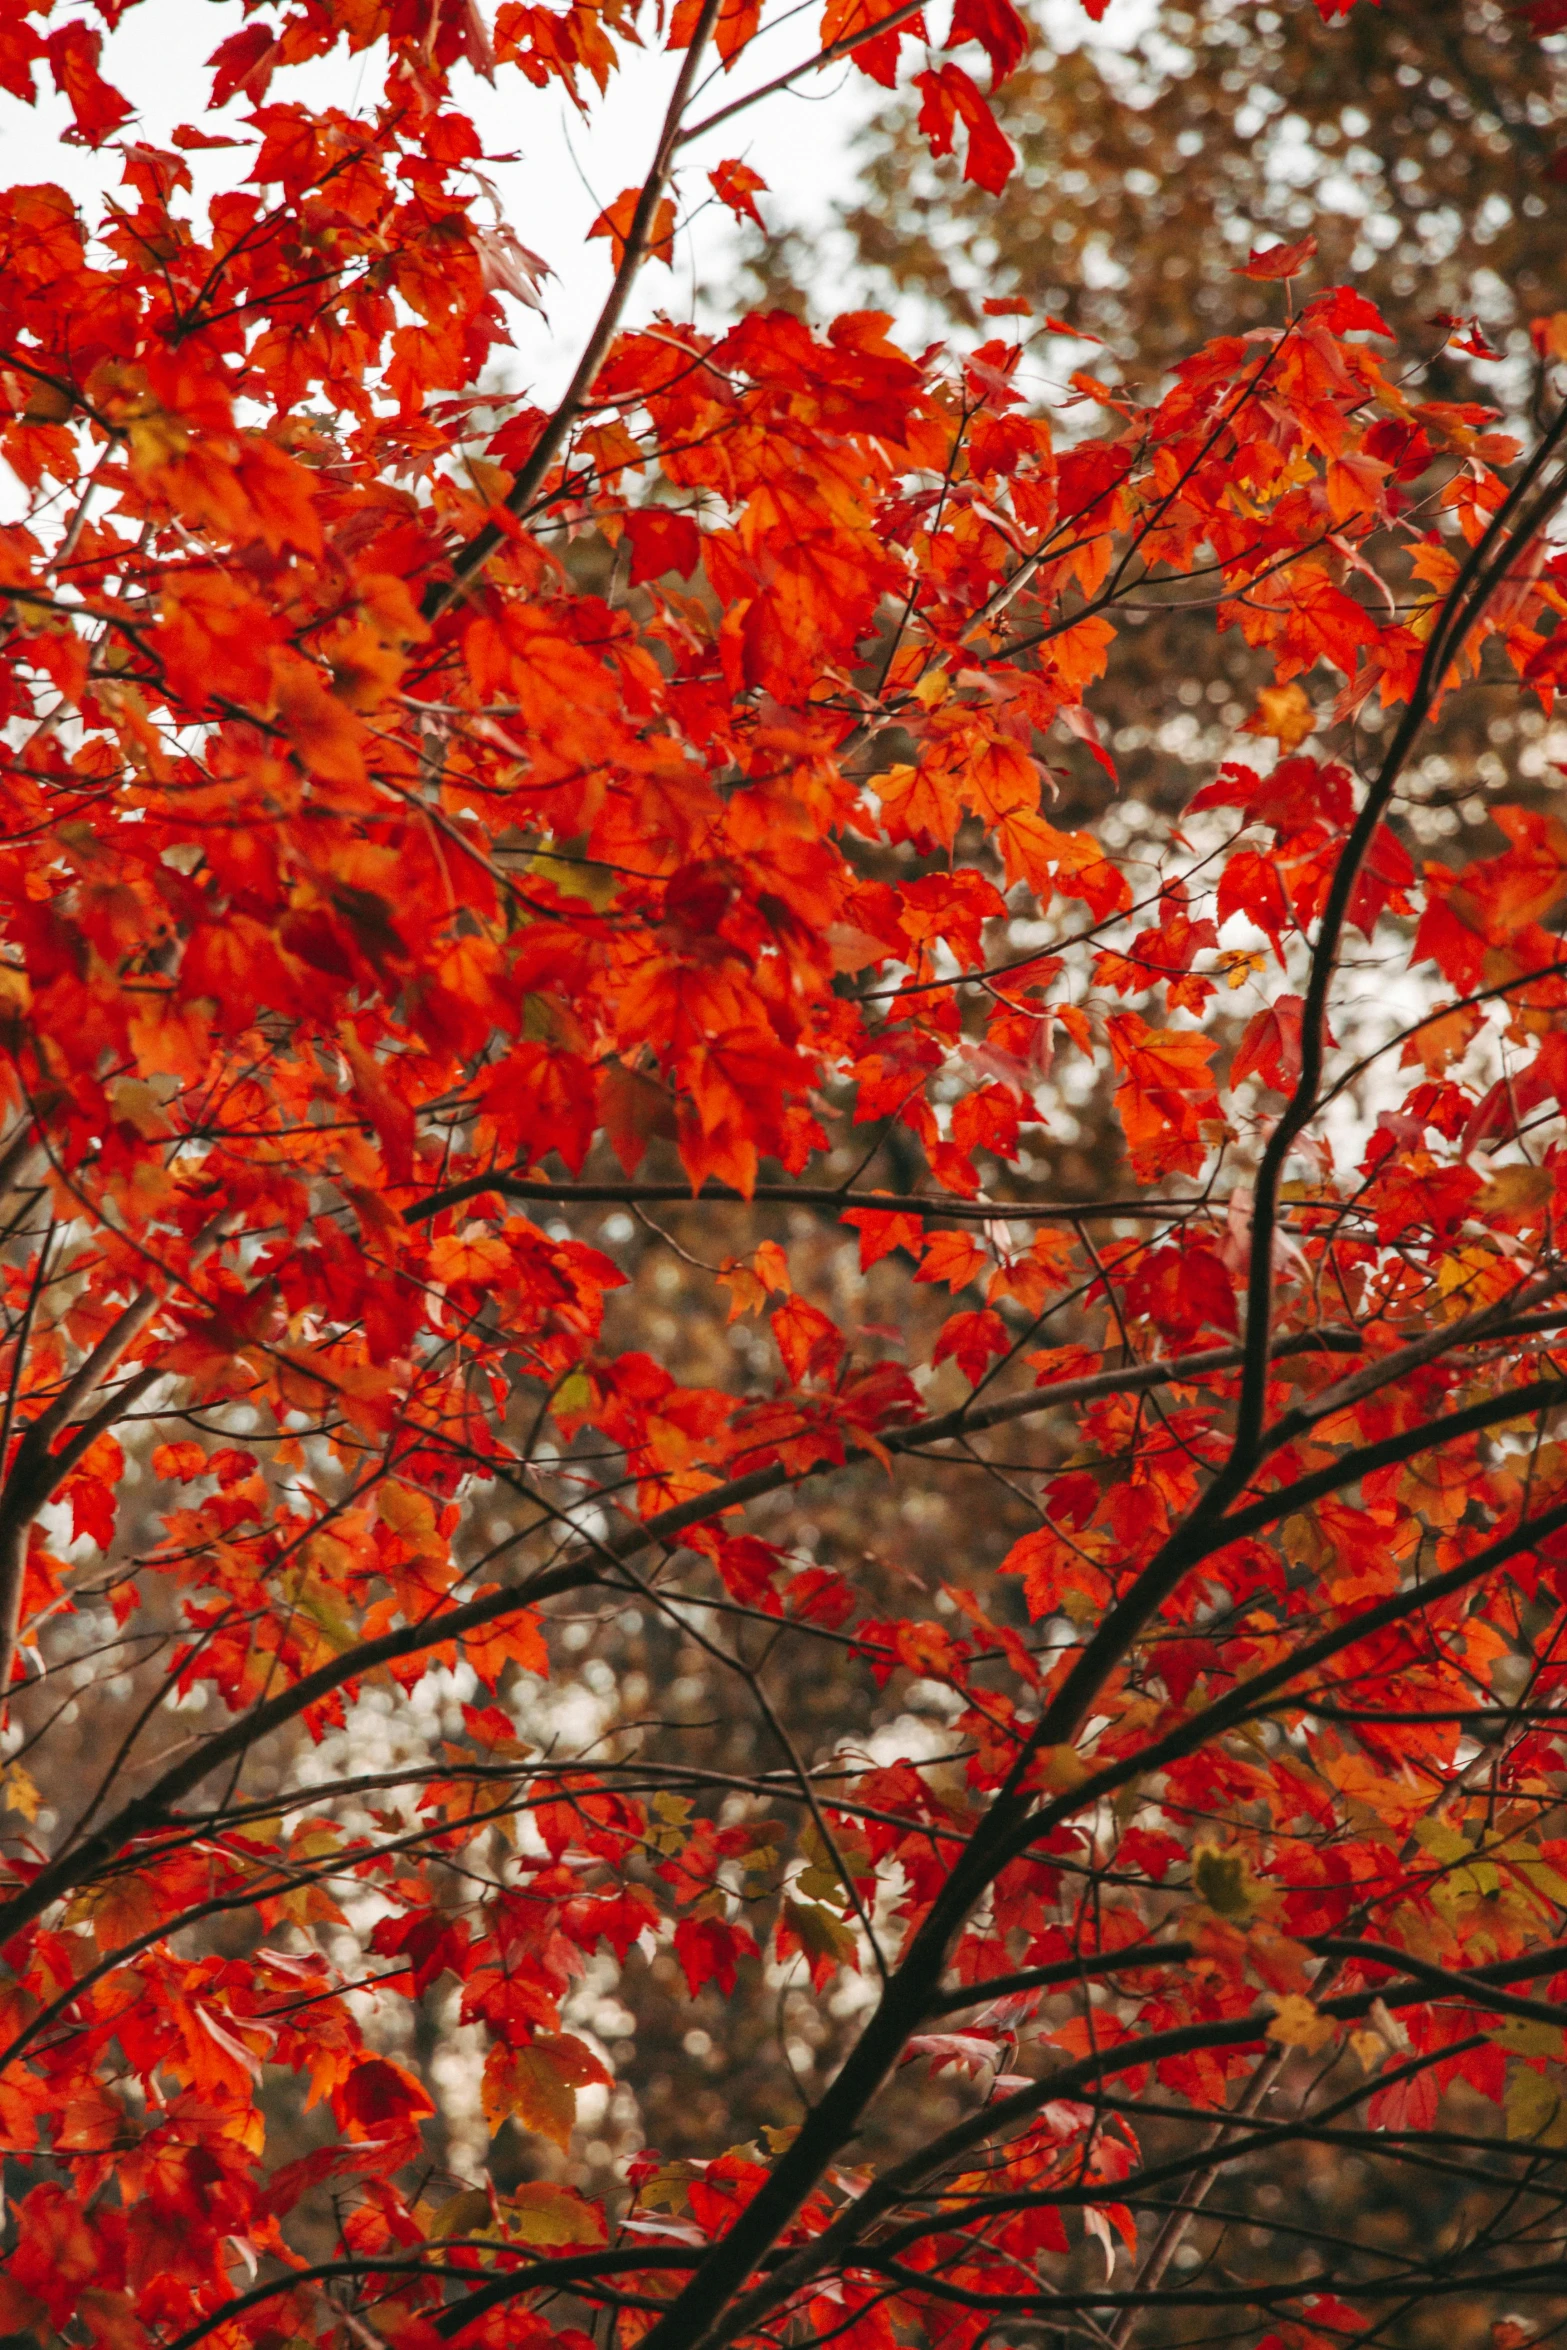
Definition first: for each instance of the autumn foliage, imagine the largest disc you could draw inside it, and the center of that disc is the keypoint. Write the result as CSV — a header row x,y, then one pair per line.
x,y
458,851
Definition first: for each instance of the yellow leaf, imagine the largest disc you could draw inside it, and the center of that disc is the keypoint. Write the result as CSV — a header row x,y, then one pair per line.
x,y
1240,964
135,1104
19,1792
1535,2109
1060,1768
407,1511
824,1938
1525,2037
1283,712
467,2214
1298,2025
473,1255
539,2084
542,2213
575,877
323,1611
1223,1881
1512,1190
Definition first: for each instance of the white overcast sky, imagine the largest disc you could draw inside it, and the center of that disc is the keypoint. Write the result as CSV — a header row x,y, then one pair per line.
x,y
802,144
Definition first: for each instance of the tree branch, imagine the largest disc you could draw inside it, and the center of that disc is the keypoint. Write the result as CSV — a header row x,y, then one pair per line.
x,y
36,1472
529,479
804,1195
828,56
1510,530
583,1570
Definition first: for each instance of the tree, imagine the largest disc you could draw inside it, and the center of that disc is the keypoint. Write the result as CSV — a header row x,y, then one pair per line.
x,y
1415,140
459,855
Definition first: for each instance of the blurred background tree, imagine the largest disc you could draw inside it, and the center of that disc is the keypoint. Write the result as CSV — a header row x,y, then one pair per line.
x,y
1416,140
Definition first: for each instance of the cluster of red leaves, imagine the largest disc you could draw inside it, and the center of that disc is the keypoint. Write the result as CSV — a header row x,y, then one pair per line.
x,y
351,882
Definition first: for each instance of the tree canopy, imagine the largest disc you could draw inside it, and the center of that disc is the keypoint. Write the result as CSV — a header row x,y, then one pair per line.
x,y
590,1458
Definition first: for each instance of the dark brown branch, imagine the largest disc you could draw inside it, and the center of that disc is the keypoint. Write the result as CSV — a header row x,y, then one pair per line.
x,y
846,2231
530,477
1245,1703
1481,1987
36,1471
585,1569
568,2269
828,56
1508,534
804,1195
705,2312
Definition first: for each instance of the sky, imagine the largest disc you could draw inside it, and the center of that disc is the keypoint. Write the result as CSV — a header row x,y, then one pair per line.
x,y
569,168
